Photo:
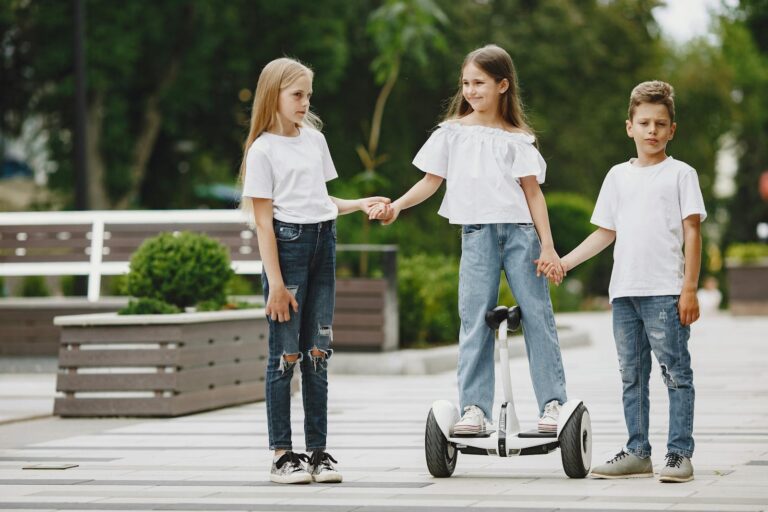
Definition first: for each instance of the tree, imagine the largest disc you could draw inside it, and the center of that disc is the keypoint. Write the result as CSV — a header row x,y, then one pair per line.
x,y
745,47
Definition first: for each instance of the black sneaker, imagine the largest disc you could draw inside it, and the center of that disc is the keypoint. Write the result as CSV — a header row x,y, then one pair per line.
x,y
288,469
321,469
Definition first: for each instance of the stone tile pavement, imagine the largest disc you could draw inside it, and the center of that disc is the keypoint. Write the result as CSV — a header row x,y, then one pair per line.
x,y
217,461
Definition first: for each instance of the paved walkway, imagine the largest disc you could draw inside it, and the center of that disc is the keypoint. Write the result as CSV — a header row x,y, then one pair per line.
x,y
216,461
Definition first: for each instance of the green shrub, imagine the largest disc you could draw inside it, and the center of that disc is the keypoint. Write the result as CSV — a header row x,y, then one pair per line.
x,y
240,285
180,269
3,293
428,296
147,306
569,218
747,253
34,286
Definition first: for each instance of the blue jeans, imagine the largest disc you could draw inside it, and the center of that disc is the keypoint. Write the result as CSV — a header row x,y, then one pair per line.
x,y
307,254
486,249
642,325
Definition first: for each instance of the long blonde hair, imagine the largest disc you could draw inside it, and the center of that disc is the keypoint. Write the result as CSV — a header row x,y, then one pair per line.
x,y
275,77
497,63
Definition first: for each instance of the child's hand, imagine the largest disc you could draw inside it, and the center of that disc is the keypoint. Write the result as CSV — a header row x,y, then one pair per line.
x,y
393,211
386,213
550,265
368,204
688,307
379,211
279,304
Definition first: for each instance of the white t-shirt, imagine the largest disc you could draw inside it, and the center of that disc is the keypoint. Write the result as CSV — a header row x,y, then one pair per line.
x,y
646,207
482,167
292,171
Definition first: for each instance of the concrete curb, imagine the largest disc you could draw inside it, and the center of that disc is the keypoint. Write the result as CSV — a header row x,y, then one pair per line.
x,y
429,361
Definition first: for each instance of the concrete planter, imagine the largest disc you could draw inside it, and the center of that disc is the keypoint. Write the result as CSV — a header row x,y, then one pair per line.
x,y
160,365
748,287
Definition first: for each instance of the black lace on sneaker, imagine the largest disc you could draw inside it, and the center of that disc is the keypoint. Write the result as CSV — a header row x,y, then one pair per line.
x,y
618,457
320,457
674,460
292,458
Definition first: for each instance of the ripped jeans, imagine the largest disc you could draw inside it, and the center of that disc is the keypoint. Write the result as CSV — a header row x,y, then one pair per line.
x,y
642,325
307,255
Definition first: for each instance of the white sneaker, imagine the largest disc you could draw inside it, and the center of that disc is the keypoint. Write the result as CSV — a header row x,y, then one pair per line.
x,y
473,422
548,420
288,469
321,468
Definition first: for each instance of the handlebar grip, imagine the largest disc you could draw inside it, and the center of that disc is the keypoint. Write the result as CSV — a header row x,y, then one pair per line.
x,y
494,317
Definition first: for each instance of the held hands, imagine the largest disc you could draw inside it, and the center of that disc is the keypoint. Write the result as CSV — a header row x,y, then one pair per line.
x,y
279,304
386,213
688,307
375,203
550,264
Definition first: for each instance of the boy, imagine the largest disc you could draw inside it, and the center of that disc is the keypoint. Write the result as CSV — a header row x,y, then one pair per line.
x,y
651,206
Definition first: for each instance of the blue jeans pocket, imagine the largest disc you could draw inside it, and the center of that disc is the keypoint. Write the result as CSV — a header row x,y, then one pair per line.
x,y
468,229
286,232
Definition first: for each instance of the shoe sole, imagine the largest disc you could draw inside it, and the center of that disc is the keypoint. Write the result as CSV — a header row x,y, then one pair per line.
x,y
327,479
675,479
617,477
300,479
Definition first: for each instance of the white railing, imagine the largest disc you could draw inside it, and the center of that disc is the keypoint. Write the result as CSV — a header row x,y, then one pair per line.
x,y
96,219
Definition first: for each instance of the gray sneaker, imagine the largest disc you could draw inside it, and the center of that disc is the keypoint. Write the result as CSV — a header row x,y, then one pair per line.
x,y
288,469
677,469
624,465
321,468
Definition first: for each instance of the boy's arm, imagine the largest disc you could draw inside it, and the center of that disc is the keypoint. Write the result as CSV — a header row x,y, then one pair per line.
x,y
280,300
420,192
688,305
592,245
548,260
365,204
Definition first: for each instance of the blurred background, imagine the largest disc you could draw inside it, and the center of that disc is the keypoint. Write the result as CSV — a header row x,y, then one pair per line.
x,y
168,88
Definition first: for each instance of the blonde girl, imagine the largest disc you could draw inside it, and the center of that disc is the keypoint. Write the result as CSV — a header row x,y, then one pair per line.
x,y
484,151
285,168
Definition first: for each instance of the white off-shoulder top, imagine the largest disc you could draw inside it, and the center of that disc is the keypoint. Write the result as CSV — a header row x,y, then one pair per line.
x,y
482,167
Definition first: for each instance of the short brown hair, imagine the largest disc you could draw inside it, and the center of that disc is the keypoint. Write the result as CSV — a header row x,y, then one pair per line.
x,y
654,91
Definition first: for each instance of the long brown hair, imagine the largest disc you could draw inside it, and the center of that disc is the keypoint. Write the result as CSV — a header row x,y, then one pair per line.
x,y
276,76
496,62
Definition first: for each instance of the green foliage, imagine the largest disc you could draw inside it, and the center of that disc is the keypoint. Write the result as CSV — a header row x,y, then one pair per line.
x,y
569,216
241,285
148,306
404,26
34,286
577,62
180,269
745,49
67,284
747,253
117,285
428,295
3,292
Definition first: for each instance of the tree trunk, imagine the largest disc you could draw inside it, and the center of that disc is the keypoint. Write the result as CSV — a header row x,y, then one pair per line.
x,y
150,127
98,197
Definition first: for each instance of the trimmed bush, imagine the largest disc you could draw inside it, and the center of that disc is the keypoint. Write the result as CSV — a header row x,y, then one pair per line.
x,y
146,306
180,269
